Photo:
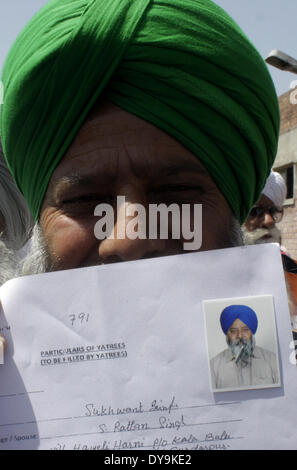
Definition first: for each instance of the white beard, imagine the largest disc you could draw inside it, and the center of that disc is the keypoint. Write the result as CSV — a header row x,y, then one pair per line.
x,y
37,260
16,263
9,263
242,350
261,235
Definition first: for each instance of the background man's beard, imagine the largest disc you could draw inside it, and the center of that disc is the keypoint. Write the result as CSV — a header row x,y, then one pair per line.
x,y
242,350
261,235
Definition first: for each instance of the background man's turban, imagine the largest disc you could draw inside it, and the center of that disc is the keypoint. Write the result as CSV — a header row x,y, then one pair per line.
x,y
243,312
183,65
275,189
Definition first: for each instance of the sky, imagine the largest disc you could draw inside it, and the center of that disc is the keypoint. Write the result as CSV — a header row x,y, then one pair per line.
x,y
270,24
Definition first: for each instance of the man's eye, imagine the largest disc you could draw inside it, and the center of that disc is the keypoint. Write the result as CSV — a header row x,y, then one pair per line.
x,y
176,193
81,199
177,188
84,204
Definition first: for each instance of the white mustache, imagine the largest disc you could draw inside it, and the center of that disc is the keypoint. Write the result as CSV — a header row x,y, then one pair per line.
x,y
257,236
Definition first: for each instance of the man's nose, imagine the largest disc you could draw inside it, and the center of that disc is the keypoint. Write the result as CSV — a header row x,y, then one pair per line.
x,y
122,245
268,221
239,334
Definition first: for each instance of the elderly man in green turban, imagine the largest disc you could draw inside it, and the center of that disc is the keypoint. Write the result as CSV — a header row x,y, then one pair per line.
x,y
159,101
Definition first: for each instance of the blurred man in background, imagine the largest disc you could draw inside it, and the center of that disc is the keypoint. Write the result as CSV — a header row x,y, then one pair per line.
x,y
260,225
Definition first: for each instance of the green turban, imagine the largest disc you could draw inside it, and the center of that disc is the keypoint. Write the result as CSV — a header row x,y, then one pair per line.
x,y
183,65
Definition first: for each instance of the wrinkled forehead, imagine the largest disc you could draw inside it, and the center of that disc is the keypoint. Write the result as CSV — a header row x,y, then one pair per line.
x,y
112,140
265,201
108,126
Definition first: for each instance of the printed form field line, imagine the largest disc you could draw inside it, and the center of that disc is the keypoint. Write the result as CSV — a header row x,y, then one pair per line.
x,y
18,394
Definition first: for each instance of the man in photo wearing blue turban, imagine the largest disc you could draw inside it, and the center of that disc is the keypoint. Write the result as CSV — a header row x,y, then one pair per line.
x,y
242,364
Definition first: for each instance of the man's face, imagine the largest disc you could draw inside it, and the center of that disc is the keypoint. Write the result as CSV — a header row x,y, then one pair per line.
x,y
241,342
260,226
239,331
118,154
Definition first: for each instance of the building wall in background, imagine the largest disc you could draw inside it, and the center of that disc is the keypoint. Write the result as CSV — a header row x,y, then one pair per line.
x,y
286,164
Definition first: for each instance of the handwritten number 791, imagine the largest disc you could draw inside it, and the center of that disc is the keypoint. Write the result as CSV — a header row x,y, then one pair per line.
x,y
79,318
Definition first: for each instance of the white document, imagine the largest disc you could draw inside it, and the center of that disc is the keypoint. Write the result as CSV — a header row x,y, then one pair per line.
x,y
117,356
